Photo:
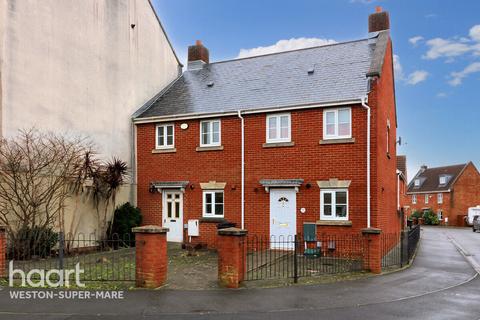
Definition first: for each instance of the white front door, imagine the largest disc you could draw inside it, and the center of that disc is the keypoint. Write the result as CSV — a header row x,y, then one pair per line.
x,y
283,218
173,215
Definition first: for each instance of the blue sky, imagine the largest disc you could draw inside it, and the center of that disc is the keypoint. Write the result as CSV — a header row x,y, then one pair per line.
x,y
436,43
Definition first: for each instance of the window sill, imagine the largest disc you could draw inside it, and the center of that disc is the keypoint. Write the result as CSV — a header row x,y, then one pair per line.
x,y
278,144
212,220
169,150
336,141
341,223
212,148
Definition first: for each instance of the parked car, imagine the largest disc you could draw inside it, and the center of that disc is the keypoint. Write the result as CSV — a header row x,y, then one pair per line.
x,y
476,223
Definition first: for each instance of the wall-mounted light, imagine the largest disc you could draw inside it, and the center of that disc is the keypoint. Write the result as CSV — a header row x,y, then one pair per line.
x,y
152,189
184,126
192,186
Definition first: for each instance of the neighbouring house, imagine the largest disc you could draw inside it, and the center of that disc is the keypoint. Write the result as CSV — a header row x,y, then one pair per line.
x,y
82,67
448,191
402,182
274,141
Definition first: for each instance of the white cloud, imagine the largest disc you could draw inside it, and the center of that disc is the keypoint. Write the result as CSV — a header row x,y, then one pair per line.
x,y
417,77
285,45
457,77
439,48
415,40
475,33
431,15
397,68
413,78
441,95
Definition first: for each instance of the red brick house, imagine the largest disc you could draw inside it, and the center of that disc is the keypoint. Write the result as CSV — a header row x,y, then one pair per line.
x,y
449,191
274,141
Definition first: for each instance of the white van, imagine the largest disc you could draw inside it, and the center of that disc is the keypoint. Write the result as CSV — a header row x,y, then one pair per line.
x,y
472,212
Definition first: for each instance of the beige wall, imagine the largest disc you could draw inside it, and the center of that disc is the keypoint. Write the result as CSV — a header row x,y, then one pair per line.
x,y
78,66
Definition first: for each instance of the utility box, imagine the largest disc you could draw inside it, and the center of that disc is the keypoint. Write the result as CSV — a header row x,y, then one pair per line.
x,y
193,228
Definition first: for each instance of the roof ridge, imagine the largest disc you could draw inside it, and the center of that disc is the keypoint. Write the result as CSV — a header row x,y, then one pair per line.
x,y
448,166
293,50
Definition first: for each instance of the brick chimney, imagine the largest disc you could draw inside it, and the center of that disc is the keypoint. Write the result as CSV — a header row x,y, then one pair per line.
x,y
378,21
197,56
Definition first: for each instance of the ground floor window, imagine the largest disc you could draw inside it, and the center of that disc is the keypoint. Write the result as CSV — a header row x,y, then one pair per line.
x,y
213,203
440,215
334,204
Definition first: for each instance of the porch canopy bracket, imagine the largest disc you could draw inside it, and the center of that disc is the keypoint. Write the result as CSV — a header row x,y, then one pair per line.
x,y
281,183
161,185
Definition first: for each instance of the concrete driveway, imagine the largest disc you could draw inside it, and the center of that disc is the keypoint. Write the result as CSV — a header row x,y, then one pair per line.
x,y
441,284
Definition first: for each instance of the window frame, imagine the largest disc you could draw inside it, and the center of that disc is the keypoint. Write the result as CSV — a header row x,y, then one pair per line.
x,y
416,183
440,198
165,145
427,196
205,214
440,180
278,128
440,214
334,217
210,126
336,123
414,199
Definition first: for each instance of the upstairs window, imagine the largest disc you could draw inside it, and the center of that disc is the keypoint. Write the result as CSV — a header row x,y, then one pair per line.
x,y
440,198
278,128
213,204
417,183
334,204
414,199
165,136
337,123
210,133
443,180
426,198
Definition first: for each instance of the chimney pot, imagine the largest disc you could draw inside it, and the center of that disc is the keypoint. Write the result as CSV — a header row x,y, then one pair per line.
x,y
378,21
198,42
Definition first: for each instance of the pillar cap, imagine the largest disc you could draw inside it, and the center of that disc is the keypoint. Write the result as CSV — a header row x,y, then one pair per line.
x,y
232,232
371,231
150,229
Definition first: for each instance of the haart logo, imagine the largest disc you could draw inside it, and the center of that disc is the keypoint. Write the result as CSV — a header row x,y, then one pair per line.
x,y
40,278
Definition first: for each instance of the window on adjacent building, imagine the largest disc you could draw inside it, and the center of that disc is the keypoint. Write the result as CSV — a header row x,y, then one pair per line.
x,y
278,128
165,136
426,198
443,180
210,133
337,123
414,199
334,204
440,215
440,198
213,204
417,182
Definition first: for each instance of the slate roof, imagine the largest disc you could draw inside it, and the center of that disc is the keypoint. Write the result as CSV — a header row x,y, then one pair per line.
x,y
273,80
430,178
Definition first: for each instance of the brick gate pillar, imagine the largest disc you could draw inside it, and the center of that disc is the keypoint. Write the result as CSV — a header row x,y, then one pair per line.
x,y
232,252
3,252
151,259
374,249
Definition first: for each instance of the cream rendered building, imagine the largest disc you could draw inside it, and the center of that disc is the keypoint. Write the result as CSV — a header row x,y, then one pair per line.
x,y
82,67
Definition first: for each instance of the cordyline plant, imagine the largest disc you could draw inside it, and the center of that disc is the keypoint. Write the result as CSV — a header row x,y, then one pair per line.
x,y
40,171
36,173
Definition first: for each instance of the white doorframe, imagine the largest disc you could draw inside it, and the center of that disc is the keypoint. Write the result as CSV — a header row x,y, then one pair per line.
x,y
175,221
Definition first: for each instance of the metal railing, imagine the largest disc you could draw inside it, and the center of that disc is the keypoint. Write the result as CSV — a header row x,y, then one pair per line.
x,y
101,260
397,249
295,257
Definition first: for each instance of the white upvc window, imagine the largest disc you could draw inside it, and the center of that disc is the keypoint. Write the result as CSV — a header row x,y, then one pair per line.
x,y
210,133
426,198
443,180
417,182
213,204
337,123
279,128
414,199
334,204
440,215
165,136
440,198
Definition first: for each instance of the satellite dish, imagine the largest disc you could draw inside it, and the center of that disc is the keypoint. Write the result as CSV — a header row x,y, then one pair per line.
x,y
399,141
